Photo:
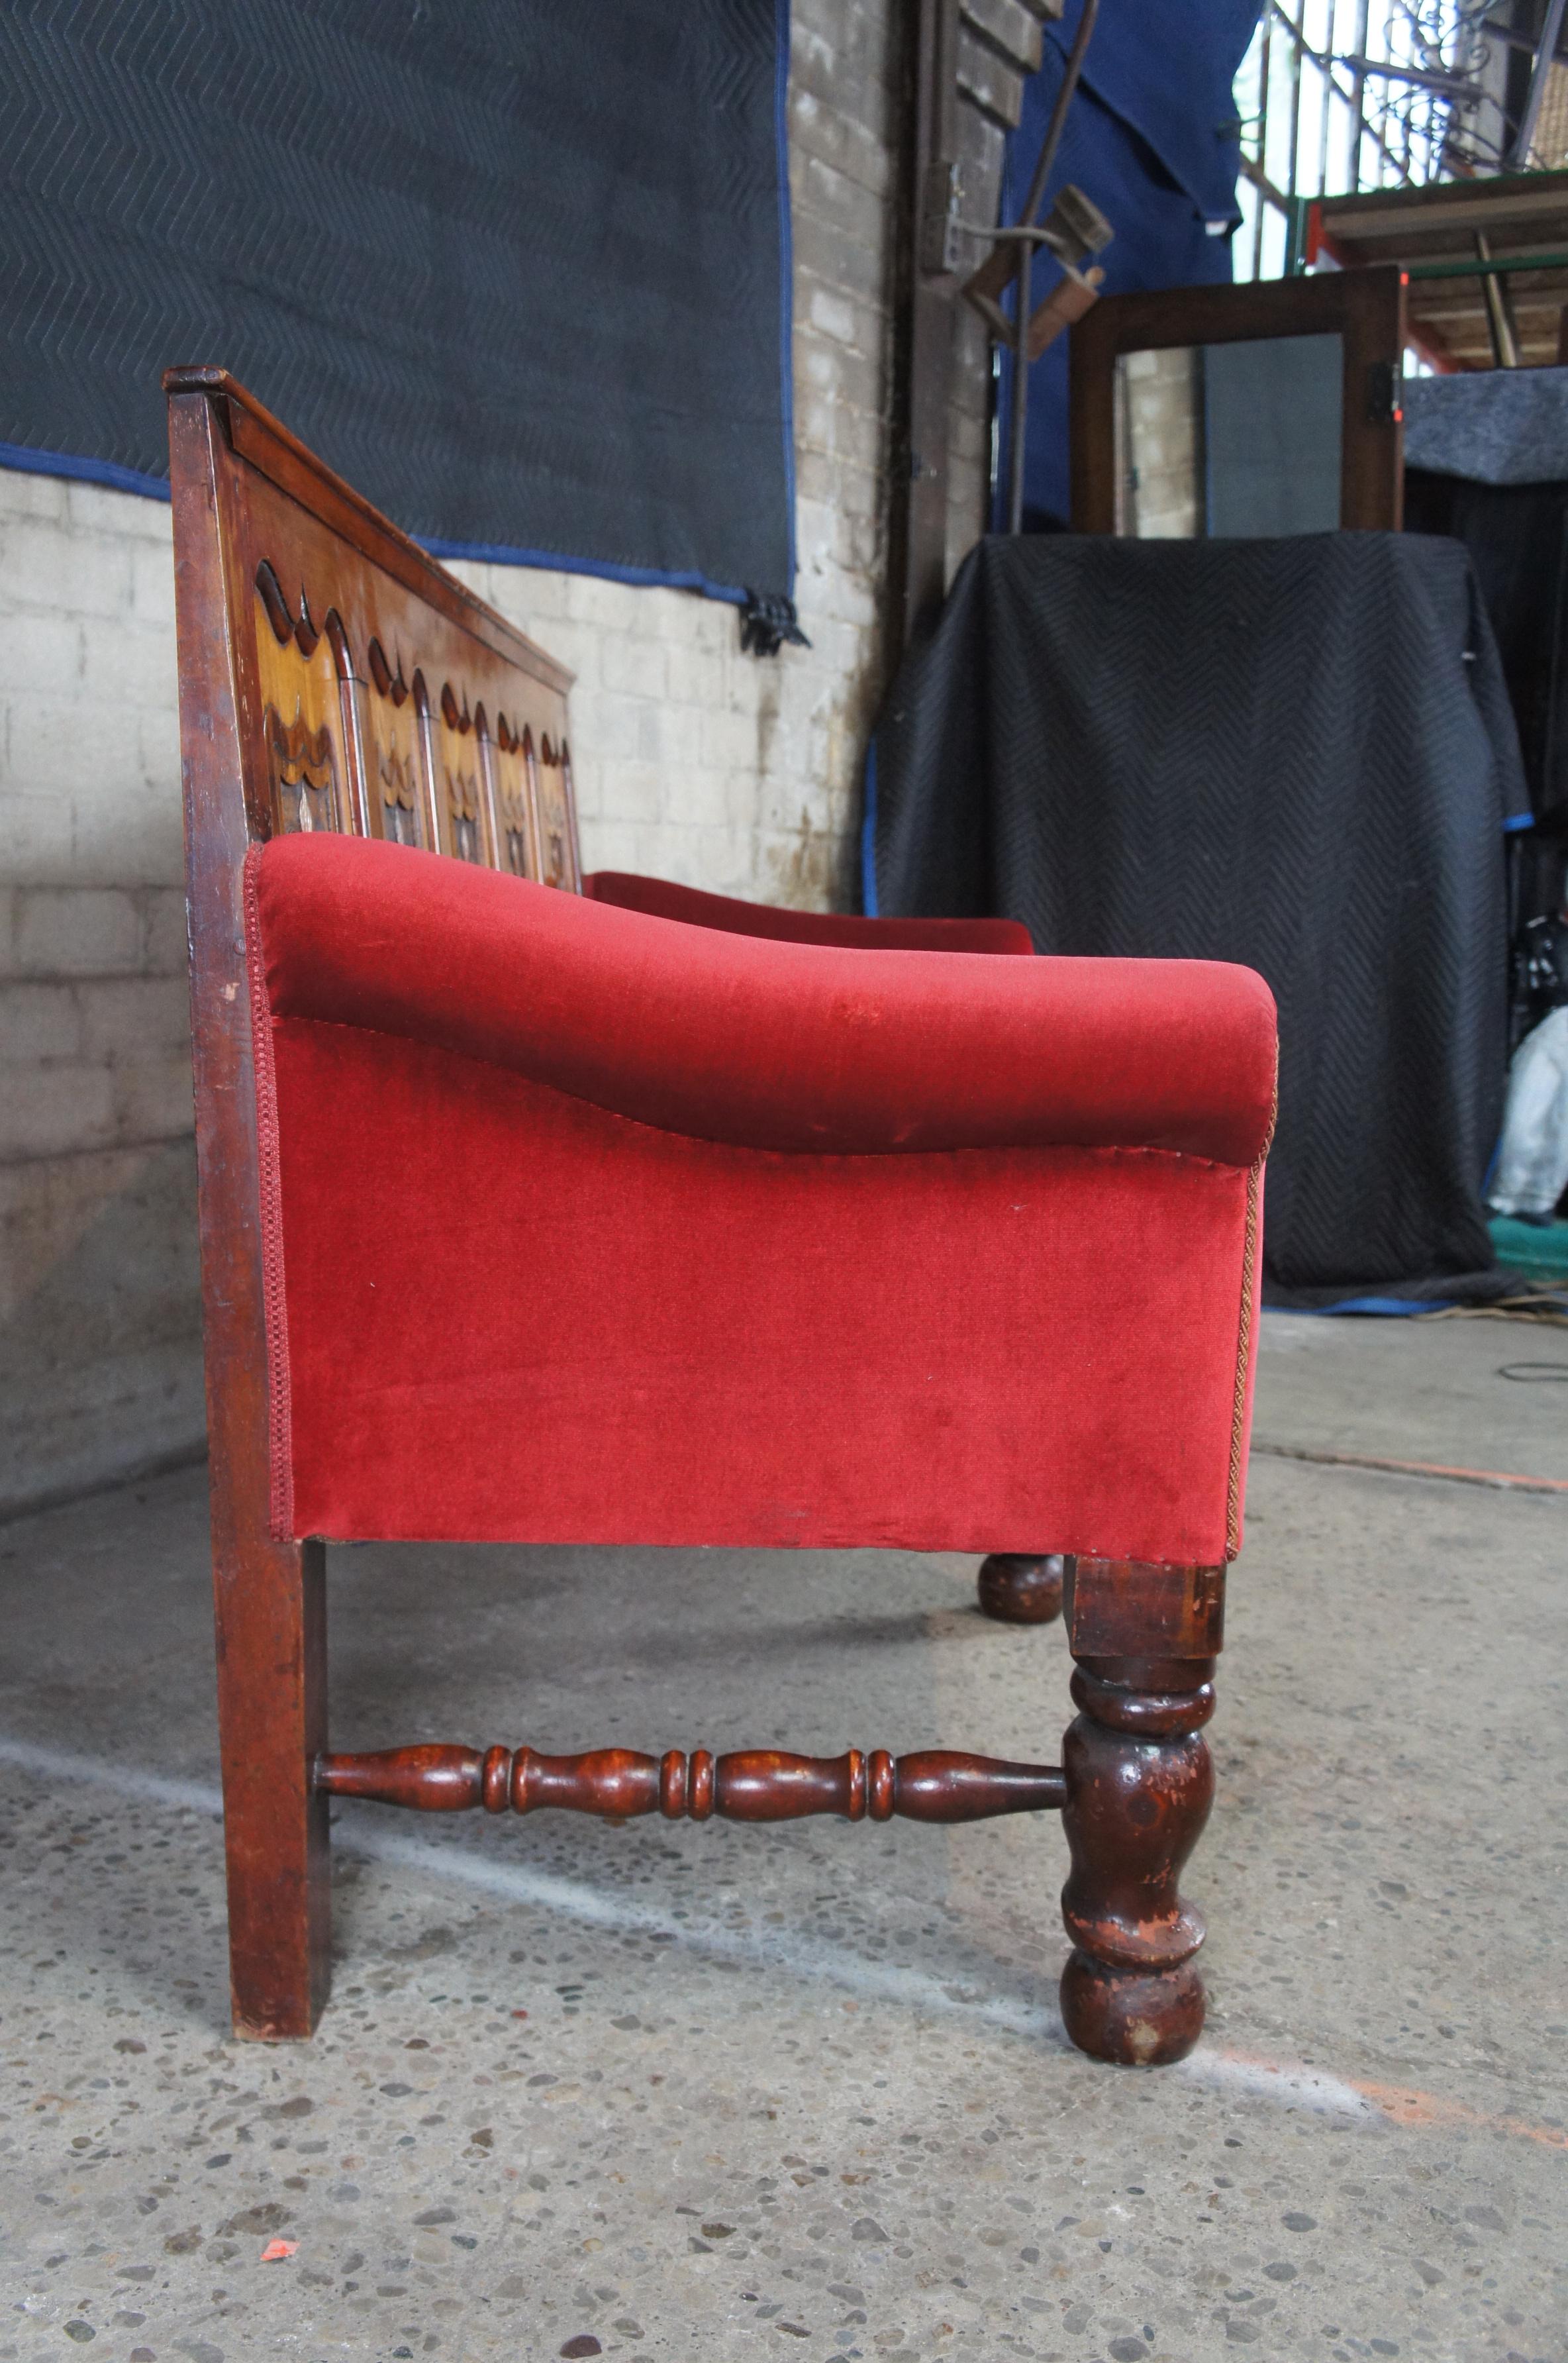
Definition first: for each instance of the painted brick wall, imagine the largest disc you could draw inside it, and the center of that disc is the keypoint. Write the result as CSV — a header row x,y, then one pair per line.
x,y
99,1365
693,761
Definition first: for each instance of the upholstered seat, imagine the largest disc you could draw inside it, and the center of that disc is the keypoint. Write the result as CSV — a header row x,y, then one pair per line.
x,y
703,1238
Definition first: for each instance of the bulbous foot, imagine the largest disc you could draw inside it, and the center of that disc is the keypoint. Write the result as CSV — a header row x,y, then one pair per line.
x,y
1016,1590
1133,2018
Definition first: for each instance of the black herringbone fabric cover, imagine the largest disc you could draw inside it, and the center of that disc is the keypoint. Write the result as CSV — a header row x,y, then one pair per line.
x,y
514,268
1267,751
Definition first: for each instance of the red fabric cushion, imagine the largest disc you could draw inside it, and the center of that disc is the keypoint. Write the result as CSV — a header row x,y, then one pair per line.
x,y
661,899
803,1287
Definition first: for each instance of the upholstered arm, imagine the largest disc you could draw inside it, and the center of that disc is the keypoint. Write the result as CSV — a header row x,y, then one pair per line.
x,y
583,1228
658,898
762,1044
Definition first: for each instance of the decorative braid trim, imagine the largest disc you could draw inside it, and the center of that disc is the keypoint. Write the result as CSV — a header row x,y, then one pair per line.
x,y
1243,1361
279,1421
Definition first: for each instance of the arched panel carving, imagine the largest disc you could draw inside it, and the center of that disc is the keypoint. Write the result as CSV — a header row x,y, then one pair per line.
x,y
517,821
392,754
459,775
308,769
378,697
558,831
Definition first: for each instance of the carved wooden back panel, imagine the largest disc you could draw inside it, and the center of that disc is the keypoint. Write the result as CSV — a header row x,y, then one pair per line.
x,y
375,694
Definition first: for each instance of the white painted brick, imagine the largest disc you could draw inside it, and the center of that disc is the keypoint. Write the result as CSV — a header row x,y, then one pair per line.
x,y
853,147
815,524
713,626
98,509
681,734
728,739
698,797
590,599
617,727
834,198
576,646
164,947
125,1020
630,793
540,596
46,1109
158,747
40,836
833,315
153,1096
131,666
832,593
80,931
695,676
138,841
43,567
152,586
610,845
635,668
39,1021
23,494
41,656
818,369
79,739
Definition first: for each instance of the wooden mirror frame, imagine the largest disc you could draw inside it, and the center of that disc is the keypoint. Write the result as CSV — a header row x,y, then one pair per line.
x,y
1366,309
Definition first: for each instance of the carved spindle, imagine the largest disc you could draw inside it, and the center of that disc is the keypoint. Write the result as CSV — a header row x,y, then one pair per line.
x,y
428,1780
1139,1786
1018,1590
751,1785
759,1785
611,1781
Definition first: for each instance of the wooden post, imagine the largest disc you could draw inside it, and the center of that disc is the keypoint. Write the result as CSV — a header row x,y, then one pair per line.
x,y
269,1595
1138,1787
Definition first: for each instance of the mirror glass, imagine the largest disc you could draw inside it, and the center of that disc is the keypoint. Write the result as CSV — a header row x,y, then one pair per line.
x,y
1239,438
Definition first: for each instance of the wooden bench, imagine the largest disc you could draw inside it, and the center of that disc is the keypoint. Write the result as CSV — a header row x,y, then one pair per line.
x,y
1058,1163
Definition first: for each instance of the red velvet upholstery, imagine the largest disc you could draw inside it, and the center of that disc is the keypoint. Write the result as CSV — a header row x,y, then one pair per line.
x,y
659,899
583,1226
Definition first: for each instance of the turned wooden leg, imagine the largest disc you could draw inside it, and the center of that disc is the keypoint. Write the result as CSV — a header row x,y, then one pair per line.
x,y
271,1600
1017,1589
1139,1783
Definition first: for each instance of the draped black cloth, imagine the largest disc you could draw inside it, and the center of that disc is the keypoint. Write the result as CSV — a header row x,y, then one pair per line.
x,y
1298,754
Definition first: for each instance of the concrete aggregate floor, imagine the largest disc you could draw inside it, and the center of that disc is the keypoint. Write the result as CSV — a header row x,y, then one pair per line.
x,y
715,2092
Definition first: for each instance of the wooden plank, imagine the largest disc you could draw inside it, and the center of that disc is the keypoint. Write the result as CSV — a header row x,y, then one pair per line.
x,y
922,332
1407,216
268,1599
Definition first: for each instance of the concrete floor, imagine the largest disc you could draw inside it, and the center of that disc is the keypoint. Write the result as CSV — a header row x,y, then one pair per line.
x,y
700,2092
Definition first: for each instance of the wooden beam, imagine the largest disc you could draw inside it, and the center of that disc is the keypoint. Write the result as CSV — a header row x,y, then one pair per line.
x,y
922,345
